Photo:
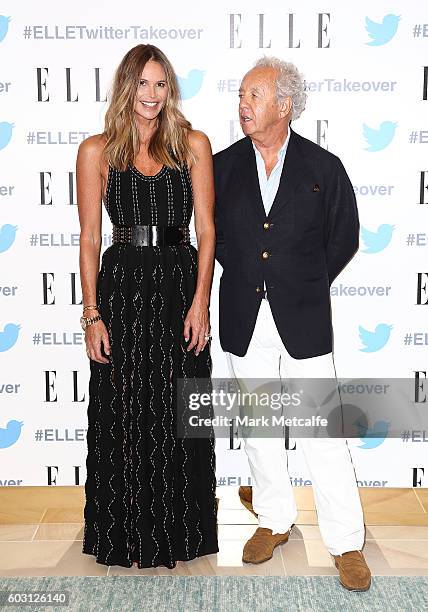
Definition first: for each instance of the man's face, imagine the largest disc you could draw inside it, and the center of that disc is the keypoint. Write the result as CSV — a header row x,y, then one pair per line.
x,y
259,111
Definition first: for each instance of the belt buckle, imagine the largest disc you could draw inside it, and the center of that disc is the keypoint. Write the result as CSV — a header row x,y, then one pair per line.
x,y
137,235
141,235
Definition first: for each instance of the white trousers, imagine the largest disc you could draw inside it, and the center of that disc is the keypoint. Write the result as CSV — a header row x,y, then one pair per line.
x,y
329,462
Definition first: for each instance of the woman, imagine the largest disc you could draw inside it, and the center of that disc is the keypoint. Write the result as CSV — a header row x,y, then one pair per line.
x,y
150,494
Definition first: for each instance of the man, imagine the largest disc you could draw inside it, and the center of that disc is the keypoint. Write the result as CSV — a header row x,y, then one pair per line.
x,y
287,224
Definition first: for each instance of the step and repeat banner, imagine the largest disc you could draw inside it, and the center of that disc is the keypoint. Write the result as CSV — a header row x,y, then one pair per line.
x,y
366,73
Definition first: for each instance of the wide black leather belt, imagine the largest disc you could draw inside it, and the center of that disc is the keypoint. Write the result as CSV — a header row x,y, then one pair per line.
x,y
151,235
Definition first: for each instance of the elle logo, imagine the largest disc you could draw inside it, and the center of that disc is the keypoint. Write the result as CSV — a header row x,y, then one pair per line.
x,y
261,33
70,93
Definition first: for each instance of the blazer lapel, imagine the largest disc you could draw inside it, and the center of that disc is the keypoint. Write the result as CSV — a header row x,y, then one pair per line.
x,y
291,176
246,170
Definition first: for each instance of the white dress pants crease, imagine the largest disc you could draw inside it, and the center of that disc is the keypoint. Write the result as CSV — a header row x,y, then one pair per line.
x,y
329,462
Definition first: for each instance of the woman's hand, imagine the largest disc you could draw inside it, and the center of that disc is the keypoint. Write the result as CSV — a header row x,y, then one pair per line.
x,y
197,325
95,335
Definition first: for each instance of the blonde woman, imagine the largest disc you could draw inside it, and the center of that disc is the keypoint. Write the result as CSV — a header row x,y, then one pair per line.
x,y
150,493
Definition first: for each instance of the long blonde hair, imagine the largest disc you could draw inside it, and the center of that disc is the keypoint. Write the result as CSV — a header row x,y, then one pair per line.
x,y
169,145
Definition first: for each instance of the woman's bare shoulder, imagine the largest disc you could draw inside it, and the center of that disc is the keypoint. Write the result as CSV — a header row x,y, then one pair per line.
x,y
92,147
198,140
200,146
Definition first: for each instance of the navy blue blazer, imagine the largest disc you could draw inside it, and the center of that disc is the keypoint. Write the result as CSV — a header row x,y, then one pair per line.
x,y
298,249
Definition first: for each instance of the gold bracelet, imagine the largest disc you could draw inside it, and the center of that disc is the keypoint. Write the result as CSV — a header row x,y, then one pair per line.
x,y
90,307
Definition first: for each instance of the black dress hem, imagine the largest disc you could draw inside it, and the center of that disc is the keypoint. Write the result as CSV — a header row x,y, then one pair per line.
x,y
207,551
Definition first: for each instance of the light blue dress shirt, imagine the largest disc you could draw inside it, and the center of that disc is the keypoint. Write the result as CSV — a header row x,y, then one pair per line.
x,y
269,186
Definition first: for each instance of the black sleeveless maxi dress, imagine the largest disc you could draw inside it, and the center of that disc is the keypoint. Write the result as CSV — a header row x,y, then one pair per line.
x,y
150,494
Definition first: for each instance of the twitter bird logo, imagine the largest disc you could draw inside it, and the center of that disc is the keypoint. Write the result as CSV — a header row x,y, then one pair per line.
x,y
10,434
380,138
7,236
190,85
373,437
5,133
382,33
4,26
9,336
377,241
374,341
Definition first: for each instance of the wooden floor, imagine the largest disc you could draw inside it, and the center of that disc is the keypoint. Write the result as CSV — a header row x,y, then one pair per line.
x,y
41,530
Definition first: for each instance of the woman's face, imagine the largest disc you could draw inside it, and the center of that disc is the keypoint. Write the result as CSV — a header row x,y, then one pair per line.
x,y
152,91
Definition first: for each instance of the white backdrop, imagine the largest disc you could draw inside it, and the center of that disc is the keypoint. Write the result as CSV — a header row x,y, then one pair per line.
x,y
364,66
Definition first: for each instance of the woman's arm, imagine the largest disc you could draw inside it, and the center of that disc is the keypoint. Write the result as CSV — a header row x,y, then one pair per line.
x,y
203,200
89,201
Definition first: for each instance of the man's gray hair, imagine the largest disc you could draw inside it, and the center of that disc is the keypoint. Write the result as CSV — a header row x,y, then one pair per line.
x,y
289,82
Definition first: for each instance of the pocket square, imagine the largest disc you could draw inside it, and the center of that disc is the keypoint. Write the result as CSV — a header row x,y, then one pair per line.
x,y
316,187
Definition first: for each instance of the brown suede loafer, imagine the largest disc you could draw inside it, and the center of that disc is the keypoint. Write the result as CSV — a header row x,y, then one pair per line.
x,y
354,573
261,545
246,497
